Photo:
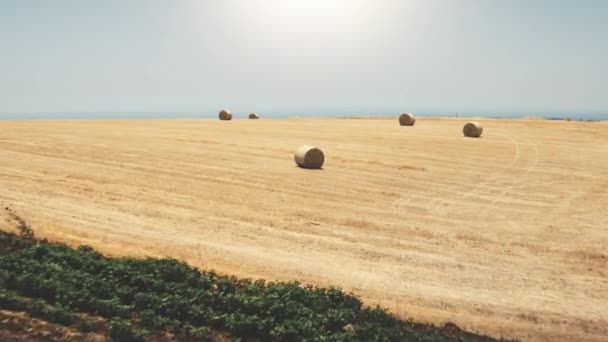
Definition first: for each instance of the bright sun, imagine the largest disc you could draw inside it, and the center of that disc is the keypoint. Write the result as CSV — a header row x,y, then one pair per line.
x,y
311,17
301,24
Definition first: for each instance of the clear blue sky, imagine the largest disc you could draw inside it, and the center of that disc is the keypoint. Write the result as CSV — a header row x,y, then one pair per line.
x,y
303,56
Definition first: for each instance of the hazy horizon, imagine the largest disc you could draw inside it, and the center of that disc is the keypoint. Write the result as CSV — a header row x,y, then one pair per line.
x,y
208,114
189,58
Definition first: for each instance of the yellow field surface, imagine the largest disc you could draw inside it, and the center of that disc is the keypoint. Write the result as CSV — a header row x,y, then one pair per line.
x,y
506,235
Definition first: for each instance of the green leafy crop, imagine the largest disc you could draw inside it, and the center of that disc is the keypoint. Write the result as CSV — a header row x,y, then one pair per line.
x,y
146,297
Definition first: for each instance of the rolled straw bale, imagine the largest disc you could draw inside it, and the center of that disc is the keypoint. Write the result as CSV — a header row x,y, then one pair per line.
x,y
225,115
254,116
407,119
309,157
472,129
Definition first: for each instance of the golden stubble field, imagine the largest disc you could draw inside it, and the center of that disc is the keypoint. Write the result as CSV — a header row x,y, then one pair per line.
x,y
506,235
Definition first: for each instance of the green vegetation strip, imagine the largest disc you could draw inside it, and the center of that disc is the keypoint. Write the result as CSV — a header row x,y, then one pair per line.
x,y
138,298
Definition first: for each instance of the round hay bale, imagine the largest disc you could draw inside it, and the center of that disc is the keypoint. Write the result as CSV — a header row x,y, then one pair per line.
x,y
254,116
407,119
309,157
225,115
472,129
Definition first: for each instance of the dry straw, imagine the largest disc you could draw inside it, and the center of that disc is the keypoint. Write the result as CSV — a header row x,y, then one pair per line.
x,y
309,157
254,116
472,129
407,119
225,115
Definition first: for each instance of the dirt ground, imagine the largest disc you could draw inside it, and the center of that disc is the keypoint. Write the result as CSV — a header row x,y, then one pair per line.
x,y
505,235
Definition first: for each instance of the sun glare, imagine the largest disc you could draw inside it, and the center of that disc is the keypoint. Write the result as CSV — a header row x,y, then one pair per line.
x,y
306,22
304,18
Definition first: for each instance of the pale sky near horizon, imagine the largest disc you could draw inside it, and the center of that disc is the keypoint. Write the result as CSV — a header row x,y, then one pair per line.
x,y
309,56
